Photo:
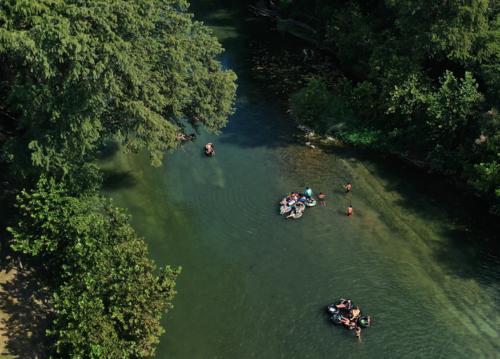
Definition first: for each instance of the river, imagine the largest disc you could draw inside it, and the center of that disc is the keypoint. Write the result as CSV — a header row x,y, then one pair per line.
x,y
254,285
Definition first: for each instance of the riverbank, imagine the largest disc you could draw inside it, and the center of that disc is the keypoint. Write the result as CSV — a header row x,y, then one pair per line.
x,y
468,205
23,314
5,277
283,64
426,108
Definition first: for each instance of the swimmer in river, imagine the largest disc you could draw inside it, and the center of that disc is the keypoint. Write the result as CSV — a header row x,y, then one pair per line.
x,y
210,149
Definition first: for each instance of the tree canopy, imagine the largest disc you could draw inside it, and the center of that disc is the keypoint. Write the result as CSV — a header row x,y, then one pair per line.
x,y
76,72
109,297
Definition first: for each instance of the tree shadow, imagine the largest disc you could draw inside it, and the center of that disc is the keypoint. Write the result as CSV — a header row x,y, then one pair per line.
x,y
23,299
115,180
467,256
245,132
469,248
108,150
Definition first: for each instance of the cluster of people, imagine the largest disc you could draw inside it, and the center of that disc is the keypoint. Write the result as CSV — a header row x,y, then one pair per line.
x,y
209,149
345,313
294,204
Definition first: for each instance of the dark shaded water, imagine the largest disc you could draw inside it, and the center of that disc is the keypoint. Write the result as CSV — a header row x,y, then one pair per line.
x,y
255,286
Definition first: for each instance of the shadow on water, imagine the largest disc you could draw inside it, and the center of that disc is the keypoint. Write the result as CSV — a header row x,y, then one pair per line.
x,y
469,249
108,150
468,257
271,135
115,180
443,225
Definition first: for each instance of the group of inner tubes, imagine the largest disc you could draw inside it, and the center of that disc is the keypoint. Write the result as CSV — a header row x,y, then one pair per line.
x,y
345,313
294,204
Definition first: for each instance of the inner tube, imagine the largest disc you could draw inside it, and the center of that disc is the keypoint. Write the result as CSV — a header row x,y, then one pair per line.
x,y
332,309
364,322
285,209
310,202
297,215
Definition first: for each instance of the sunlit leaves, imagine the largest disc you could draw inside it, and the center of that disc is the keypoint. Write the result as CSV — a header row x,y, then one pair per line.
x,y
85,71
108,296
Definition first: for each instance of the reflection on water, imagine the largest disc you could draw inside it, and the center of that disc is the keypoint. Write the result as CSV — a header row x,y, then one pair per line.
x,y
255,285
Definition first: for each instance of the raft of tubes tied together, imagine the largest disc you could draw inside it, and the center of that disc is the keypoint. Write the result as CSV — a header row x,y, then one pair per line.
x,y
294,204
345,313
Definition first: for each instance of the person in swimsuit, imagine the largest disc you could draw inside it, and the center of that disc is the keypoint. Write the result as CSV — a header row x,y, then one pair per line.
x,y
209,149
358,332
354,313
321,198
349,211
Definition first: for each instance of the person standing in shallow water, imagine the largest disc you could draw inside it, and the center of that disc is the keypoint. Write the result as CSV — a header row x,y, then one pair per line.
x,y
358,332
349,210
348,187
321,199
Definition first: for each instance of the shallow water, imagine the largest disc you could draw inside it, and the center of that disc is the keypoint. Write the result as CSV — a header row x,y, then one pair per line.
x,y
255,285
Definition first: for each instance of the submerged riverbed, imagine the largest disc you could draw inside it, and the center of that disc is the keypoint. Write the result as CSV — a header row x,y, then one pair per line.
x,y
255,285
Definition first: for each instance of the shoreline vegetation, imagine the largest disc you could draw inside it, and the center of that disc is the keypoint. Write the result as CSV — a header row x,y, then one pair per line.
x,y
72,76
348,71
309,137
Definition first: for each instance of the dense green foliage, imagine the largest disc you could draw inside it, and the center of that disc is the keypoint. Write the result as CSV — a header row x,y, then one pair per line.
x,y
109,299
421,79
73,74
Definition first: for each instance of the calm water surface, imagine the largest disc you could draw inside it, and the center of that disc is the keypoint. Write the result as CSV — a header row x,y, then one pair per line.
x,y
255,286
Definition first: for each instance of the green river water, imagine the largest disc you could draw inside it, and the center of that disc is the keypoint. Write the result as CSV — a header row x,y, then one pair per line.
x,y
254,285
